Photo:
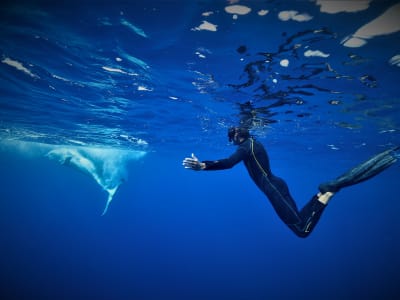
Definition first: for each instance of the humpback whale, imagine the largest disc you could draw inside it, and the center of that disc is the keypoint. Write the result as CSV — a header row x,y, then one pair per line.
x,y
105,165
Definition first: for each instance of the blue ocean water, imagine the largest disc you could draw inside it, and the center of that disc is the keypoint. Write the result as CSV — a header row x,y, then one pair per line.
x,y
101,101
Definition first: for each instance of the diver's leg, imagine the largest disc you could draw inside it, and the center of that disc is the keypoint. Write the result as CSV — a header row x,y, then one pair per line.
x,y
279,196
310,214
361,172
303,222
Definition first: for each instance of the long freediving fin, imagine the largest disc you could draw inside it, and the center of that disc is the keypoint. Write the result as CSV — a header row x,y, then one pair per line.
x,y
366,170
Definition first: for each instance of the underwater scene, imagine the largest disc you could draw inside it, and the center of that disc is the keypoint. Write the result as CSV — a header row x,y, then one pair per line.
x,y
124,172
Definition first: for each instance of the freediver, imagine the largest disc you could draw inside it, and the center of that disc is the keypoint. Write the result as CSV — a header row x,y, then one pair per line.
x,y
256,160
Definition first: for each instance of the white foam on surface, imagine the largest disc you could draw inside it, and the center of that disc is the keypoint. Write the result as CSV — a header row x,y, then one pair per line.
x,y
317,53
18,65
387,23
116,70
207,13
237,9
338,6
284,63
134,28
144,88
263,12
287,15
60,78
200,55
206,26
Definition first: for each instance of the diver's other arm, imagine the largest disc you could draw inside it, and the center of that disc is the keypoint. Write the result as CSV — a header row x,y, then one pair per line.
x,y
193,163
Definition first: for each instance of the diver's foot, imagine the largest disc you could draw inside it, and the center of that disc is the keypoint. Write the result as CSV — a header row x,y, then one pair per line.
x,y
324,197
328,187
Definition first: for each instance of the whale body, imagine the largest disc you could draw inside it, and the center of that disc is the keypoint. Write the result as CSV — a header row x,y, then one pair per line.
x,y
105,165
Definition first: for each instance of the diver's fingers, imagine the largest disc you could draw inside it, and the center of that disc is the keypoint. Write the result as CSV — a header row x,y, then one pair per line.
x,y
192,158
189,160
191,163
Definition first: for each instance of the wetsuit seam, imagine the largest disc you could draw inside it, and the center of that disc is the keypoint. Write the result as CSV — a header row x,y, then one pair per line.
x,y
283,199
255,158
269,182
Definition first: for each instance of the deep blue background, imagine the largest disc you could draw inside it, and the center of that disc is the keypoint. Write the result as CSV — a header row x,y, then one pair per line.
x,y
176,234
172,233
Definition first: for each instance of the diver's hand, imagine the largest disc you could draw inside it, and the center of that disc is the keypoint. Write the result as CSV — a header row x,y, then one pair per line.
x,y
193,163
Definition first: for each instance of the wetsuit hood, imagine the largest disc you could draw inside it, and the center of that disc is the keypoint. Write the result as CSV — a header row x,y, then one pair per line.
x,y
237,133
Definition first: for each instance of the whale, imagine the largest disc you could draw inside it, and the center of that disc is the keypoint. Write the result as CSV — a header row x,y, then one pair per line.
x,y
106,166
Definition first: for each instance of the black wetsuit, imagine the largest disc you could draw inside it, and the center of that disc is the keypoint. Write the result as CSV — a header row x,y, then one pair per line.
x,y
256,160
